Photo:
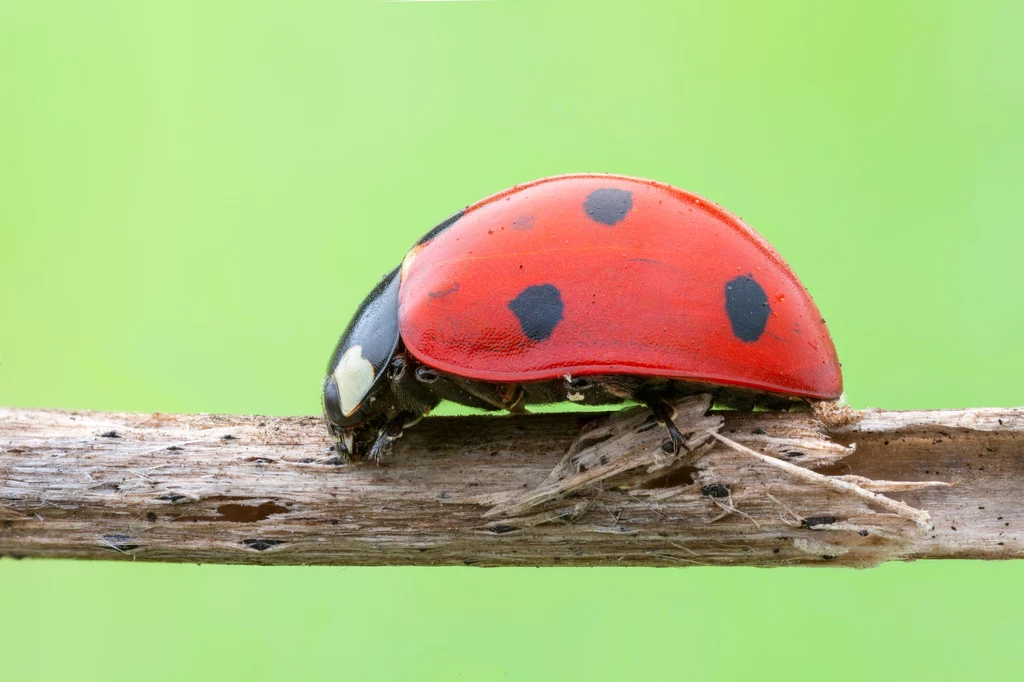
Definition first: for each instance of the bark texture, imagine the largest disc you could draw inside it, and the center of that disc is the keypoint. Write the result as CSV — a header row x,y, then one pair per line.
x,y
829,487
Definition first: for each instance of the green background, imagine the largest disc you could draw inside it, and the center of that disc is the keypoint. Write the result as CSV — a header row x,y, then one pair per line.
x,y
194,196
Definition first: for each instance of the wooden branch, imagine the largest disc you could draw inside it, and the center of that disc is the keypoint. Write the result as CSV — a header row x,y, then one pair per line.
x,y
833,487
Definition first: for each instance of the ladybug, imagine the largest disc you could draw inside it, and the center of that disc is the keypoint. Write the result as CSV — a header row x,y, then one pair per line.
x,y
591,289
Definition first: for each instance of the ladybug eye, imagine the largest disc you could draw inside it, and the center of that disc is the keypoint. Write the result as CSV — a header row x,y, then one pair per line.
x,y
426,375
397,368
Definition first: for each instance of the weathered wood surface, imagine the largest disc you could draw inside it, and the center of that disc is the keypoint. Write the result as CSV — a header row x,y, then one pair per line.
x,y
501,491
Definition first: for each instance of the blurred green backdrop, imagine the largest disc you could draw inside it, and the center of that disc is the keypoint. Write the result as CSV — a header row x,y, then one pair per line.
x,y
194,197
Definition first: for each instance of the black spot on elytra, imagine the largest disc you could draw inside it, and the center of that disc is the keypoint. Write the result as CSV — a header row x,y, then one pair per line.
x,y
441,293
523,223
608,205
539,309
747,307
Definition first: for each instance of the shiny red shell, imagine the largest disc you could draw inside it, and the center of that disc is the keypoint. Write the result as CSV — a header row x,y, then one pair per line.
x,y
643,278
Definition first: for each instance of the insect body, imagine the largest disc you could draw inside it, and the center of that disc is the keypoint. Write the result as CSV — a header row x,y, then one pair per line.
x,y
593,289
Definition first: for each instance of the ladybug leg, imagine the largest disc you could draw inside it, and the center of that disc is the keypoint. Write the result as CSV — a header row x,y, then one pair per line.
x,y
511,397
663,412
389,433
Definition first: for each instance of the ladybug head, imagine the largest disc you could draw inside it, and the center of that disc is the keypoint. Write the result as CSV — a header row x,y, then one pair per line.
x,y
354,410
356,392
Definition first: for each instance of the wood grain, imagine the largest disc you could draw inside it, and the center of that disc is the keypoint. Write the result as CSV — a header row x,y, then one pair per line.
x,y
552,490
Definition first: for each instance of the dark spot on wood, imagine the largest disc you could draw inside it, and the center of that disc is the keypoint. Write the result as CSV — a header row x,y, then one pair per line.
x,y
793,454
815,521
334,461
863,533
566,514
775,551
151,517
501,528
470,562
261,545
229,437
119,542
260,460
175,448
715,490
678,477
828,557
171,497
110,434
759,431
244,513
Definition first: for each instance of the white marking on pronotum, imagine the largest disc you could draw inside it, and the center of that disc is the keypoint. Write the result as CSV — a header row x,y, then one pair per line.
x,y
354,376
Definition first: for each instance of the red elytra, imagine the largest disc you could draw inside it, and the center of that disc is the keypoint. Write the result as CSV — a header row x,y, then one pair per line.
x,y
606,274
